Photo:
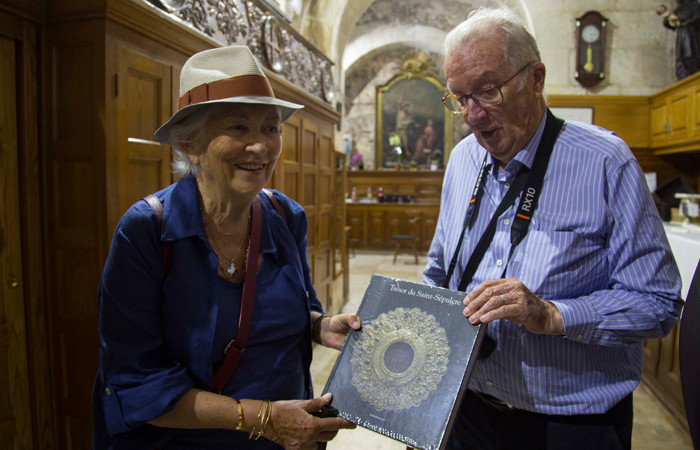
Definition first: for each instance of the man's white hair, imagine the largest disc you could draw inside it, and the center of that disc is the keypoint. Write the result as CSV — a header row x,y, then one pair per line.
x,y
520,46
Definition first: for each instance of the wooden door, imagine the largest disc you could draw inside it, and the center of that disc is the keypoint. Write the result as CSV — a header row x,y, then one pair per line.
x,y
308,191
143,100
288,169
15,421
679,109
323,256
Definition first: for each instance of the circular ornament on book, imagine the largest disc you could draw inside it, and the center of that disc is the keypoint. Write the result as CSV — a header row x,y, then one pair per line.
x,y
399,359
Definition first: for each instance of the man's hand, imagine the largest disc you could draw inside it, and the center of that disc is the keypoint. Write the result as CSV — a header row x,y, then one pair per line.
x,y
509,298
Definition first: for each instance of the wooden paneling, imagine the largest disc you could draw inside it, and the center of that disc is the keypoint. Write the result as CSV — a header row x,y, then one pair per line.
x,y
143,88
305,172
15,420
373,224
24,96
323,256
76,237
341,277
105,96
642,122
627,116
425,186
286,177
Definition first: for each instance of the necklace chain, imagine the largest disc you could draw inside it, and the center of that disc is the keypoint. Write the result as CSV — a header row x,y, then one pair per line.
x,y
231,270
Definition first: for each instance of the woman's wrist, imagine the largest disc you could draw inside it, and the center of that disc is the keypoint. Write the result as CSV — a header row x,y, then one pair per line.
x,y
316,328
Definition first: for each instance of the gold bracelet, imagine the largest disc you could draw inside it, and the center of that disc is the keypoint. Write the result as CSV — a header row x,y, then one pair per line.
x,y
264,416
240,416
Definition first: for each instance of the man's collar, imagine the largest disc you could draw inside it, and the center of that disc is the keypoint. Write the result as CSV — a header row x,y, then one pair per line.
x,y
526,156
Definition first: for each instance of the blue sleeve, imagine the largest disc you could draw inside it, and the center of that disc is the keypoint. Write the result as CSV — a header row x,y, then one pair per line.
x,y
139,380
643,300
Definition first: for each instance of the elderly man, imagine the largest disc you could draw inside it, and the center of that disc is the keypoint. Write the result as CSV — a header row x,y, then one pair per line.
x,y
550,229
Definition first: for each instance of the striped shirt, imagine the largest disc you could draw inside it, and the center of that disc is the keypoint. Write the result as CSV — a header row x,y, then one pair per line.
x,y
596,248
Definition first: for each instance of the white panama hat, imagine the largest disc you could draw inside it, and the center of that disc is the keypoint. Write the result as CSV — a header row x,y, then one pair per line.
x,y
222,75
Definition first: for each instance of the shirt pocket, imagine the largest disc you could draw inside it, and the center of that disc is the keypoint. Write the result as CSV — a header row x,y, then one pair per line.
x,y
558,264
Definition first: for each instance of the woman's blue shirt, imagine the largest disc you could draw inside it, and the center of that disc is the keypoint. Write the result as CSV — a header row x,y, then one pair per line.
x,y
162,334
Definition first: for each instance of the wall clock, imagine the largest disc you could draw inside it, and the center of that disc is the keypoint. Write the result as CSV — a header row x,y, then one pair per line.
x,y
590,48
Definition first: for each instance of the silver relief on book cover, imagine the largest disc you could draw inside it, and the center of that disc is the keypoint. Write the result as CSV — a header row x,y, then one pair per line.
x,y
399,359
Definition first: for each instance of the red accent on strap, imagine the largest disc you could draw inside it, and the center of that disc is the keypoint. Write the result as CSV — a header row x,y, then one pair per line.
x,y
242,86
522,216
234,351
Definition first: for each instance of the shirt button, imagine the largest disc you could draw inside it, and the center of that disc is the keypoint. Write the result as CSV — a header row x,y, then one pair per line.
x,y
489,382
506,222
499,262
579,337
107,391
506,184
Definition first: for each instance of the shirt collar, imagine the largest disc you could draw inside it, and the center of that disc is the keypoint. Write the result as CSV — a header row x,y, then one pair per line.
x,y
526,156
182,217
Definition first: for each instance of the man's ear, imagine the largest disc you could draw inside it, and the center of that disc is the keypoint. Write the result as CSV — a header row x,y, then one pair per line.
x,y
539,73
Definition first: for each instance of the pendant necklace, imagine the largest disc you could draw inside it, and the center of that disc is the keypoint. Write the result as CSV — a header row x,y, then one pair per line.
x,y
231,269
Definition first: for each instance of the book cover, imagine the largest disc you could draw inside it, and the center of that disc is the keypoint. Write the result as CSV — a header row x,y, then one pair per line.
x,y
404,373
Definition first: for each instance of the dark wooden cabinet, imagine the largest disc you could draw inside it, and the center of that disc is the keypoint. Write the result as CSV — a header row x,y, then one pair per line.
x,y
306,173
372,224
16,44
108,77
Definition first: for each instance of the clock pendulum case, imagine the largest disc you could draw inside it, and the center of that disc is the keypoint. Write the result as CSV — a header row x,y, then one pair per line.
x,y
590,48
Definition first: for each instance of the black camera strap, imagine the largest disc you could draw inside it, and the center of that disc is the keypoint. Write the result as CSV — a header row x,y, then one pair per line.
x,y
531,180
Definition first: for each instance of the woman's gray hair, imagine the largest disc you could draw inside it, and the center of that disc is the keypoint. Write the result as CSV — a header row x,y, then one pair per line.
x,y
185,132
520,45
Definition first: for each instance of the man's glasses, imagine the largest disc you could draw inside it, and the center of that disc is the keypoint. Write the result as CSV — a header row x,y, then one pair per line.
x,y
491,96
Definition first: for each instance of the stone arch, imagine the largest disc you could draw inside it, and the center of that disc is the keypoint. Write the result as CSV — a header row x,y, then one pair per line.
x,y
421,37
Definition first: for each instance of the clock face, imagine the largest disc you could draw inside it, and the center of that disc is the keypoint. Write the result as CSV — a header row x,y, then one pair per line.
x,y
590,33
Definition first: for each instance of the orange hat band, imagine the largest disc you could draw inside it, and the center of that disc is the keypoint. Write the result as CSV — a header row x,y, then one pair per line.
x,y
241,86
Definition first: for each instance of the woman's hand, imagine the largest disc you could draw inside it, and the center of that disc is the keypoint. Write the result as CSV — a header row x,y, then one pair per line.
x,y
294,428
332,330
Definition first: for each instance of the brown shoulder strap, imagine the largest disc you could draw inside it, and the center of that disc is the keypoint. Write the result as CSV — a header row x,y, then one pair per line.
x,y
234,349
276,203
167,247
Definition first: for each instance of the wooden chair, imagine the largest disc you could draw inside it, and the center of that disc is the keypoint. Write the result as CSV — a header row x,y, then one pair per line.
x,y
411,239
689,357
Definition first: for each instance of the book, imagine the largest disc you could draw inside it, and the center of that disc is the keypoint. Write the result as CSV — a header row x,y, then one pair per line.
x,y
404,373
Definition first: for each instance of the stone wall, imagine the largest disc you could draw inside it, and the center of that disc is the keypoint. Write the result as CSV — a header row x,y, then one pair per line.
x,y
368,47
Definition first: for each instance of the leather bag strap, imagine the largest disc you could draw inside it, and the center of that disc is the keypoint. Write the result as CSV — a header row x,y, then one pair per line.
x,y
166,246
234,350
276,203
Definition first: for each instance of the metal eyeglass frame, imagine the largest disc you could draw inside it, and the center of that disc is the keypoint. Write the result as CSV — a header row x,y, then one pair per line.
x,y
482,104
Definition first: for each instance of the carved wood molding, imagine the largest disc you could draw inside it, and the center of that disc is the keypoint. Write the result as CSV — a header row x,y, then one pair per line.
x,y
277,45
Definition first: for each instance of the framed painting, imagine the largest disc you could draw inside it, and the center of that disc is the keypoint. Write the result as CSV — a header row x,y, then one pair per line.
x,y
413,126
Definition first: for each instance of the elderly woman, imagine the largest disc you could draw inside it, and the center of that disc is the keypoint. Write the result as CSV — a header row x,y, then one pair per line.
x,y
206,307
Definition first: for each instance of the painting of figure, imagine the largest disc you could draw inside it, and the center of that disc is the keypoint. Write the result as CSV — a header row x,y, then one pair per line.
x,y
411,122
